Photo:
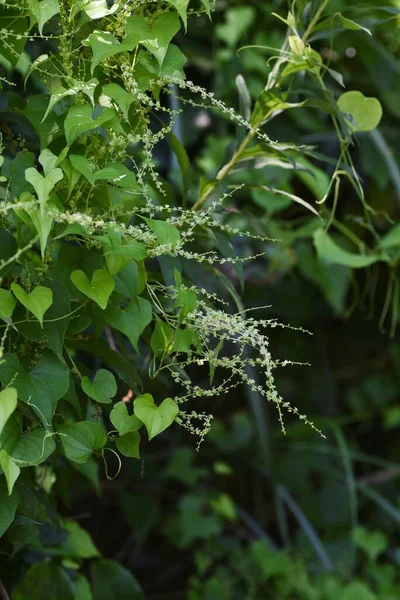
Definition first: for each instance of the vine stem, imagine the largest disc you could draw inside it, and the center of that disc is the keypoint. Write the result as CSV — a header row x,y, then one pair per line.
x,y
225,170
272,80
315,20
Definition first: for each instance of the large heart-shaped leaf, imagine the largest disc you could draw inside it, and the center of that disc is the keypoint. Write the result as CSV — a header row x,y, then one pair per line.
x,y
131,320
155,418
42,387
81,439
128,444
102,388
99,289
37,302
55,324
43,185
364,114
8,403
26,448
122,420
79,120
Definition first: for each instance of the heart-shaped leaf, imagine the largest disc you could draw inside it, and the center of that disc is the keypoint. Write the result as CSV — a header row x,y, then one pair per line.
x,y
10,469
29,447
79,120
122,420
373,543
128,444
81,439
8,403
364,113
43,185
37,302
155,418
7,303
42,387
99,289
132,320
103,387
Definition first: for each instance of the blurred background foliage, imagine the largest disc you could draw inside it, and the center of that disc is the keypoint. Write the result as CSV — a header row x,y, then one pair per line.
x,y
256,514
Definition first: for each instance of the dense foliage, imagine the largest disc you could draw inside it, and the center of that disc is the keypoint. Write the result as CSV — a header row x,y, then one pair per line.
x,y
143,221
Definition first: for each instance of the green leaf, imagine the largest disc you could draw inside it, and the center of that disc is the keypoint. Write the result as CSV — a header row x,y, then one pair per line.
x,y
172,66
224,506
99,289
122,420
78,544
155,418
53,330
8,403
79,120
194,524
43,224
119,256
81,439
162,339
317,180
103,387
156,39
181,6
87,87
293,197
121,97
112,580
43,11
45,580
330,252
8,506
10,470
183,160
339,21
165,233
131,320
238,21
362,114
268,104
27,448
37,302
128,444
97,9
104,44
373,543
82,589
391,239
7,303
43,185
42,387
206,4
244,97
34,111
115,173
357,590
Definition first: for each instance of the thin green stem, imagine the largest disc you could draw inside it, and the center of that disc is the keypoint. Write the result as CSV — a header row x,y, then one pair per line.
x,y
315,20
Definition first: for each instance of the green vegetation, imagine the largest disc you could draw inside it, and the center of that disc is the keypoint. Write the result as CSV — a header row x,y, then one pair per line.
x,y
188,190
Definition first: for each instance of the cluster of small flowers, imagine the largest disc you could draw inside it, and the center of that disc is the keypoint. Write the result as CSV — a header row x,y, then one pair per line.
x,y
185,420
